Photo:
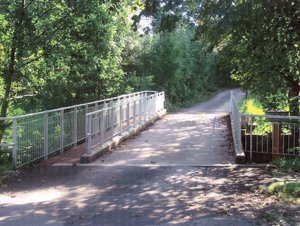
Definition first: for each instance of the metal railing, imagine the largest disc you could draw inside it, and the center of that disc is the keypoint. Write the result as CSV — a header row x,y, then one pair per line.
x,y
37,135
236,124
115,118
265,137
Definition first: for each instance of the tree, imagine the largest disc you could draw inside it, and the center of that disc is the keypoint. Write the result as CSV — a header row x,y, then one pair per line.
x,y
54,53
173,62
167,15
261,39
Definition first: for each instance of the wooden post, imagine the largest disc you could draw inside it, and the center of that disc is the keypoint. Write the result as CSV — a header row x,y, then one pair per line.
x,y
276,132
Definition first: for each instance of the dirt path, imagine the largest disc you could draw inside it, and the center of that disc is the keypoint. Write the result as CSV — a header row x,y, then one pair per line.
x,y
153,179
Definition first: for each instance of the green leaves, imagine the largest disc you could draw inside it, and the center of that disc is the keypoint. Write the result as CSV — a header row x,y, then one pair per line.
x,y
171,62
259,41
66,52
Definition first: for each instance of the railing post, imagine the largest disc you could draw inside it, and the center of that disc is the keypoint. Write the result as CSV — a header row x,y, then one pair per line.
x,y
134,112
61,131
88,119
231,101
102,126
127,115
251,145
86,111
15,144
121,116
112,121
46,138
164,100
75,126
140,110
145,108
149,105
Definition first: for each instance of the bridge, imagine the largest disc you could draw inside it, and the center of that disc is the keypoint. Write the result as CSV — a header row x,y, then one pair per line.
x,y
83,133
178,170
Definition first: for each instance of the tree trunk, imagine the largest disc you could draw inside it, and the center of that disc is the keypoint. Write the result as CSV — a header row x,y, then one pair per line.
x,y
8,79
9,73
294,100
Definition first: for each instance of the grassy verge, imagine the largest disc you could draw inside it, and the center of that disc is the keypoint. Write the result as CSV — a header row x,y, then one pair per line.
x,y
287,165
286,191
5,162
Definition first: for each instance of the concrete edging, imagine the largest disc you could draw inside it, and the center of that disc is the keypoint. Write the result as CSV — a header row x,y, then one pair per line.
x,y
115,141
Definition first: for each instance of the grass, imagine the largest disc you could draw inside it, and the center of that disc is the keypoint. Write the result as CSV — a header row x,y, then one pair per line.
x,y
286,191
287,165
5,162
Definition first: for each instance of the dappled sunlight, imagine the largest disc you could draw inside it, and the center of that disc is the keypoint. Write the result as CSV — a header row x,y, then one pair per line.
x,y
30,197
132,195
177,139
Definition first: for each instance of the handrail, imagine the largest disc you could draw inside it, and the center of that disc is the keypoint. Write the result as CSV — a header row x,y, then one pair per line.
x,y
74,106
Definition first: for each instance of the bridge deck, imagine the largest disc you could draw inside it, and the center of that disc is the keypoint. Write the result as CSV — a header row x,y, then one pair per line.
x,y
193,137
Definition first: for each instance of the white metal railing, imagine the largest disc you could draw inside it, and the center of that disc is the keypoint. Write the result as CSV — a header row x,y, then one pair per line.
x,y
115,118
235,124
265,137
37,135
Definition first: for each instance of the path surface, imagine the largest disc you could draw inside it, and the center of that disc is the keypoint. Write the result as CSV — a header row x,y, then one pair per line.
x,y
149,183
197,136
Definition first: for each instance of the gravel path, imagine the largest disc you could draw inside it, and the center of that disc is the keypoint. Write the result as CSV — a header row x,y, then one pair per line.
x,y
161,177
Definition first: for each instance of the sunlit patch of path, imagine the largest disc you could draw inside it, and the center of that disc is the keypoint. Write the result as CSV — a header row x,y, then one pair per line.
x,y
192,137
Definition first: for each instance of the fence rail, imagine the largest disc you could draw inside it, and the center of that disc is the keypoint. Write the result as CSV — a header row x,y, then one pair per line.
x,y
37,135
113,119
265,137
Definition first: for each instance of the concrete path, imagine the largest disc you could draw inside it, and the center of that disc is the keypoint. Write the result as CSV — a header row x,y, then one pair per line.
x,y
197,136
154,179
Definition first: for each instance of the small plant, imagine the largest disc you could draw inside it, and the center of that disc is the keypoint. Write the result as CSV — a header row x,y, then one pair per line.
x,y
288,164
5,161
287,191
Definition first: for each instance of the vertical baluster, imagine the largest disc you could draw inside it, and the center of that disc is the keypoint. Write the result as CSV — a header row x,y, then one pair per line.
x,y
61,131
88,120
140,110
15,144
112,121
251,124
75,136
134,112
121,116
46,137
294,138
127,115
281,131
102,126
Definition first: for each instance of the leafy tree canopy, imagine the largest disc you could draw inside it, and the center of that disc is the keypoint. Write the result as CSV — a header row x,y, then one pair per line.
x,y
260,40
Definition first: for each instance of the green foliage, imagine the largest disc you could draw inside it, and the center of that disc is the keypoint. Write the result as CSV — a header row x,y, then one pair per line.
x,y
69,48
5,159
287,191
178,65
259,42
251,106
288,164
